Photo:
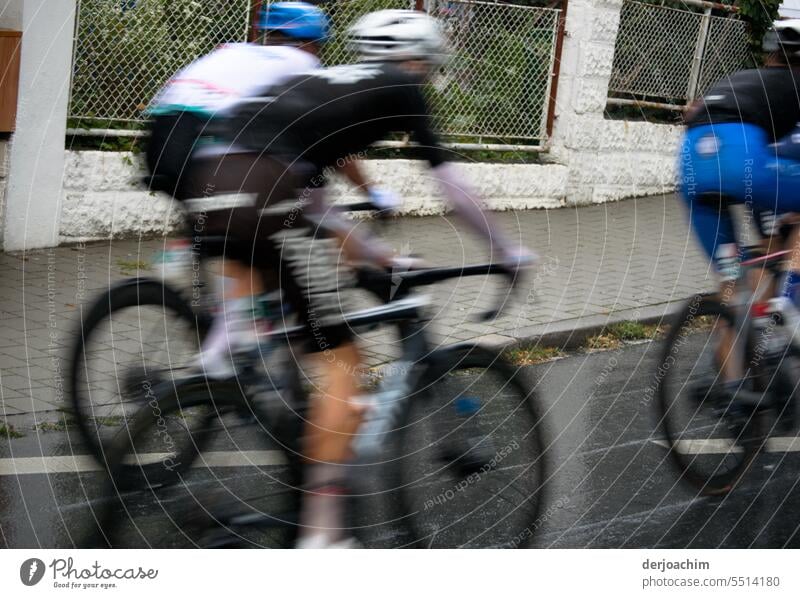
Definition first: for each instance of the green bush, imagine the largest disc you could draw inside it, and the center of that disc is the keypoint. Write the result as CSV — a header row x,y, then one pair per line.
x,y
127,49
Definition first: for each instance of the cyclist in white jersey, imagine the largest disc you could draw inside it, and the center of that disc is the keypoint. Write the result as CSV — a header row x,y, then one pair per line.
x,y
183,116
217,81
184,110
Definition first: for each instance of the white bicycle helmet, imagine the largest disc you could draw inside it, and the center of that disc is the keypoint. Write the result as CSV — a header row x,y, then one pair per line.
x,y
398,35
784,36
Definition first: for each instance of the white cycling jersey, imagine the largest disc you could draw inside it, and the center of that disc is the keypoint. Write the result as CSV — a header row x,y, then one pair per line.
x,y
217,81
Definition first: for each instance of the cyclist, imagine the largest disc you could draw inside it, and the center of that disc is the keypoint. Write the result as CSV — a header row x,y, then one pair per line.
x,y
207,88
738,149
186,114
311,123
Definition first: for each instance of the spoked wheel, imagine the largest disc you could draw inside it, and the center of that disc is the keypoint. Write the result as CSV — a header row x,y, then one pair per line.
x,y
133,338
164,438
218,498
470,454
711,432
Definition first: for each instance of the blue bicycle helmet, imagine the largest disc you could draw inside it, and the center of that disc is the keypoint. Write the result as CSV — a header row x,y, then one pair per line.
x,y
297,20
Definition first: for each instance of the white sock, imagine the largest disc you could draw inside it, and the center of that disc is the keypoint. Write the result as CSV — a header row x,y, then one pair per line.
x,y
323,508
232,329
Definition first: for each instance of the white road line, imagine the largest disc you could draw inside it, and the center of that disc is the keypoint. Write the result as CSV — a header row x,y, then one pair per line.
x,y
720,446
86,463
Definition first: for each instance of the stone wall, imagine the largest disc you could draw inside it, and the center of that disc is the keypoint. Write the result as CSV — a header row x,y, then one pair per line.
x,y
103,197
606,159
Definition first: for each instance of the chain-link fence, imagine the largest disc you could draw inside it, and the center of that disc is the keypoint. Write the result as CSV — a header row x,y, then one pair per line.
x,y
667,56
497,82
126,49
495,87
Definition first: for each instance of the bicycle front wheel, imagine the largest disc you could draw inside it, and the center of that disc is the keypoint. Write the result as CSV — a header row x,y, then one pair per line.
x,y
471,461
709,436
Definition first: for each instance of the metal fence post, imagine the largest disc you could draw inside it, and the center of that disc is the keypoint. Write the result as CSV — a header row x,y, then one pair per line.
x,y
251,27
552,89
699,52
74,54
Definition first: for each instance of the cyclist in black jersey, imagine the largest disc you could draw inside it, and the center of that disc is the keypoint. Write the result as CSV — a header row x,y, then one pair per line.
x,y
274,171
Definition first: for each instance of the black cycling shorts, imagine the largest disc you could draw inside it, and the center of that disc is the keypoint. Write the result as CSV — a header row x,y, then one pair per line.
x,y
253,202
173,139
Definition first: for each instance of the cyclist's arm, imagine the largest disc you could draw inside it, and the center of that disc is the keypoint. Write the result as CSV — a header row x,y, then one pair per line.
x,y
381,198
355,175
459,195
358,247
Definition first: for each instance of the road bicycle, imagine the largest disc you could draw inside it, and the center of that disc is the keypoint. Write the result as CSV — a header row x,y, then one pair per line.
x,y
451,446
146,328
715,428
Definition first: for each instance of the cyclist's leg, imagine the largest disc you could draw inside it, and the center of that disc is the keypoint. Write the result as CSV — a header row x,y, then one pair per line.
x,y
274,237
226,190
309,280
784,200
719,165
783,183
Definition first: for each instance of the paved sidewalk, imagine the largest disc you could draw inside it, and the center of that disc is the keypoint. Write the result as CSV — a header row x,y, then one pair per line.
x,y
623,260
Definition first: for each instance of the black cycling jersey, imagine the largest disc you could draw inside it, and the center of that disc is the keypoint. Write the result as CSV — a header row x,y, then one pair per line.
x,y
767,97
326,115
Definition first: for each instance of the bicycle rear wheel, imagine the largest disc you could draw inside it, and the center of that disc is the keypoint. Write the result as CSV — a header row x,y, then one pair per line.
x,y
710,437
133,337
471,456
218,499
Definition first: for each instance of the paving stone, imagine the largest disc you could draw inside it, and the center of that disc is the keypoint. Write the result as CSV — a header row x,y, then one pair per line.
x,y
596,260
29,404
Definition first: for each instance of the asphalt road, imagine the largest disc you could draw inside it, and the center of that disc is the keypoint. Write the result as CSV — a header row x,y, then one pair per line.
x,y
609,481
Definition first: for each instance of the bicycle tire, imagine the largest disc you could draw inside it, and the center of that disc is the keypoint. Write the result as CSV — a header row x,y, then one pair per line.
x,y
136,293
696,463
171,403
513,425
208,518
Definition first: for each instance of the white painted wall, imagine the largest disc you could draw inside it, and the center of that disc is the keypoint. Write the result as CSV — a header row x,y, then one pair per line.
x,y
3,181
789,9
11,14
36,162
103,198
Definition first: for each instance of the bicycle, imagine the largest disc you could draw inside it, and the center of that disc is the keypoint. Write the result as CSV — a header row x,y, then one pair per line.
x,y
714,431
446,444
154,328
